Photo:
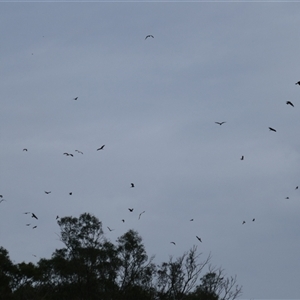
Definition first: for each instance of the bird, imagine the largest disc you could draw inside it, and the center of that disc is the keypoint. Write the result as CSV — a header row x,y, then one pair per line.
x,y
272,129
289,103
287,198
242,158
75,98
199,239
123,220
297,187
70,193
1,196
34,227
130,209
25,149
67,154
2,200
101,148
47,192
141,214
79,151
34,216
244,222
27,212
253,219
28,224
149,35
191,220
71,154
110,229
220,123
132,185
298,83
173,243
57,217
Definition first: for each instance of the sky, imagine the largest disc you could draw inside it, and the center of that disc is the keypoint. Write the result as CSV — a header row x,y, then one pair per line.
x,y
153,103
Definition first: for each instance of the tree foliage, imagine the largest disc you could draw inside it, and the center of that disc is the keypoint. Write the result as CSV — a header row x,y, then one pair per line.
x,y
90,267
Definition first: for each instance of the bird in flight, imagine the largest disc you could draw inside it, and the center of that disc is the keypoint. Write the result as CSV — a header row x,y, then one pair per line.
x,y
132,185
289,103
79,151
34,216
101,148
28,224
141,214
1,196
70,193
244,222
57,217
75,98
123,220
68,154
253,219
25,149
297,187
198,238
242,158
298,83
173,243
191,220
130,209
287,198
272,129
148,36
220,123
110,229
34,227
47,192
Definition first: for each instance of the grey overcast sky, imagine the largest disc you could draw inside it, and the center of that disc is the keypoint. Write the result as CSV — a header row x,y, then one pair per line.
x,y
153,103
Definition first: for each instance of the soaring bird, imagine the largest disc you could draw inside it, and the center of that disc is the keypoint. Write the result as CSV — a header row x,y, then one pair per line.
x,y
297,187
287,198
198,239
123,220
244,222
110,229
149,35
132,185
28,224
191,220
79,151
242,158
298,83
75,98
220,123
173,243
47,192
130,209
272,129
70,193
101,148
253,219
25,149
289,103
141,214
34,216
34,227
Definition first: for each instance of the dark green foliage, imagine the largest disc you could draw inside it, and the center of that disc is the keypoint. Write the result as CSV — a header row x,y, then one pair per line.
x,y
90,267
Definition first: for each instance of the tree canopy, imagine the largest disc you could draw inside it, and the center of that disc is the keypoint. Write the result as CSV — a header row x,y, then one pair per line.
x,y
90,267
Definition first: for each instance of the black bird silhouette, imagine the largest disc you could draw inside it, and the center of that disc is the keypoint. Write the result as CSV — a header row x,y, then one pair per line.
x,y
220,123
25,149
101,148
47,192
132,185
198,239
242,158
79,151
130,209
289,103
253,219
28,224
27,212
123,220
1,196
296,187
191,220
287,198
57,217
110,229
272,129
141,214
71,154
298,83
75,98
244,222
70,193
67,154
34,227
173,243
34,216
149,35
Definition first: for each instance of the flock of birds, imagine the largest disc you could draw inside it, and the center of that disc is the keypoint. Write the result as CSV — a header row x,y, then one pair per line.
x,y
33,215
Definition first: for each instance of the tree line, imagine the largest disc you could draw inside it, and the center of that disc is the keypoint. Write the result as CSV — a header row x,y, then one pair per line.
x,y
91,267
